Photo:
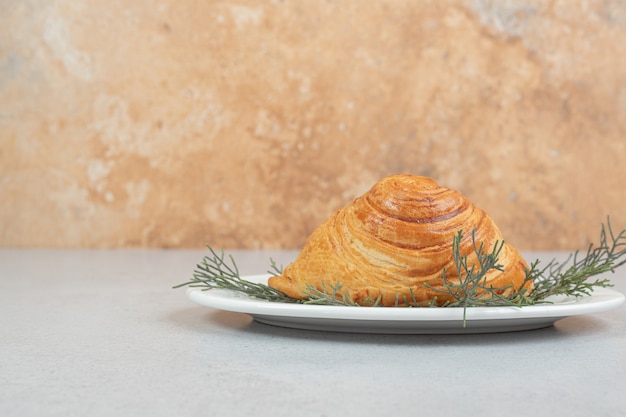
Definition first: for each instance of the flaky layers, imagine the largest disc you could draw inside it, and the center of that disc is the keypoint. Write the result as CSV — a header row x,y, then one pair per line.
x,y
394,239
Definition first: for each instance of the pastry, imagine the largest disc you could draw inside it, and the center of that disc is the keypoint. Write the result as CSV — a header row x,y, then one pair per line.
x,y
391,245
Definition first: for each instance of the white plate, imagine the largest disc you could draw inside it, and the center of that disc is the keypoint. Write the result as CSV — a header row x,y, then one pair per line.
x,y
404,320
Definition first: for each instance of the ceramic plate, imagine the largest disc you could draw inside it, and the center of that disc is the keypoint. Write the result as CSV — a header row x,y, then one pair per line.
x,y
405,320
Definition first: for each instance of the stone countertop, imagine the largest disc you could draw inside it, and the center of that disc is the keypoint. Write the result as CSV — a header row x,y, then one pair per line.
x,y
101,333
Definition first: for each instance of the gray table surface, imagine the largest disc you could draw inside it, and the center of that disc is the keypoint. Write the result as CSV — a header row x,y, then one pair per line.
x,y
101,333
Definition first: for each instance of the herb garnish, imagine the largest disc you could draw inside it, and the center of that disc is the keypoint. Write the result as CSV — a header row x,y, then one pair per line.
x,y
216,272
569,278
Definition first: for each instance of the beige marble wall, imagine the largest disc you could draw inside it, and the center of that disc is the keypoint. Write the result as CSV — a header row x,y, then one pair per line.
x,y
246,123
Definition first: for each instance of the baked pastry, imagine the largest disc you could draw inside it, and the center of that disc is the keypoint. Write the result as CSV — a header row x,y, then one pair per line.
x,y
391,241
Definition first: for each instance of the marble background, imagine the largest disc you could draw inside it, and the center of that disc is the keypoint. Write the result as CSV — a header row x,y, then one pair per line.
x,y
246,123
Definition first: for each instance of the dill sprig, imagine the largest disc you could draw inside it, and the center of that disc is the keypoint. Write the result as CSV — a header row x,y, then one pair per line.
x,y
471,288
329,296
570,278
215,272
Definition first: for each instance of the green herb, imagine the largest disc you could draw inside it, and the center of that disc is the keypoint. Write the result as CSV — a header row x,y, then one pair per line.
x,y
216,272
332,297
570,278
471,288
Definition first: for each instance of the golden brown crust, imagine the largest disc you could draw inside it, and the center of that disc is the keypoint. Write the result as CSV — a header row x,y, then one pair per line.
x,y
394,239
